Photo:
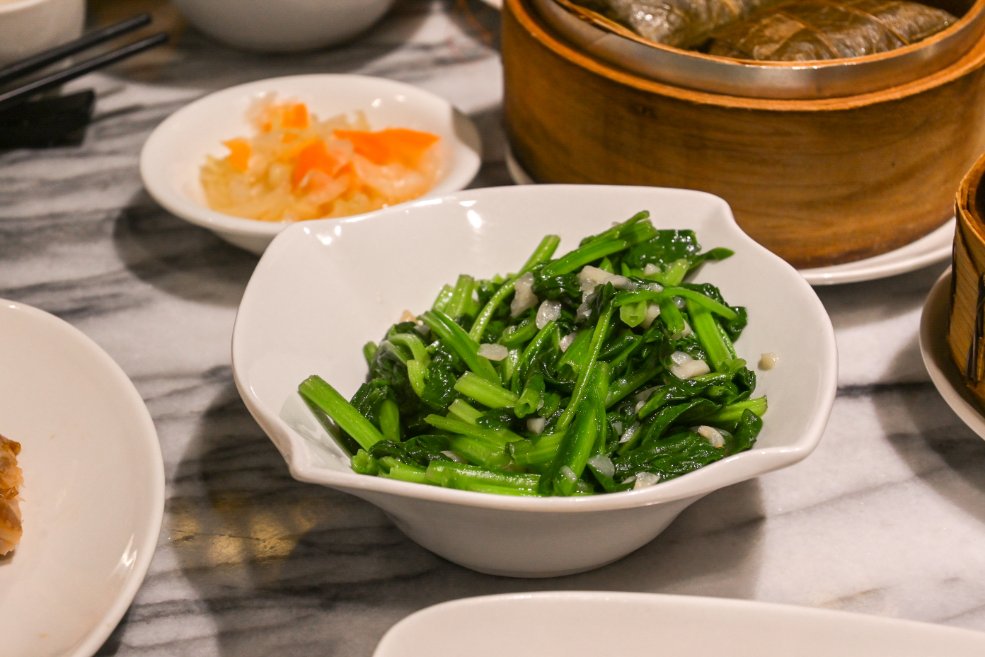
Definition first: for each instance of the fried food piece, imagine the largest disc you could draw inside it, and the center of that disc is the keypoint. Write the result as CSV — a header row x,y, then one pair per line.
x,y
11,479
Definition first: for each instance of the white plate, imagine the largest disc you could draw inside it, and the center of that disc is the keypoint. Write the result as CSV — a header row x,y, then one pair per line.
x,y
937,357
285,332
172,157
562,624
930,249
93,497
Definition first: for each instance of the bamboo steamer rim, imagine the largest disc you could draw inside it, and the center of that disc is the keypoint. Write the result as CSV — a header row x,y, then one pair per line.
x,y
520,11
965,313
969,210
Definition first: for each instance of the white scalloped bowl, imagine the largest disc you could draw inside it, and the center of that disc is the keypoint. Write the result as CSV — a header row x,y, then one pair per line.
x,y
324,288
172,157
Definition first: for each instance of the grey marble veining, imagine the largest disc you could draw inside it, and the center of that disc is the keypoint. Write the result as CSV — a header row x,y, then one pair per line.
x,y
887,517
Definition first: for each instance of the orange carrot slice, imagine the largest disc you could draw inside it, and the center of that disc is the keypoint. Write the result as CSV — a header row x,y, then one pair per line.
x,y
366,143
285,116
391,145
294,116
314,157
239,153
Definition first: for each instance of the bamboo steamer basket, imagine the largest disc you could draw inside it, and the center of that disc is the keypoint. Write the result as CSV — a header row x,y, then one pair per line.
x,y
966,319
819,181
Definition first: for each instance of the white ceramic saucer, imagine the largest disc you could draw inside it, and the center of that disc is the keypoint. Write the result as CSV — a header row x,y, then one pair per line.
x,y
931,248
937,357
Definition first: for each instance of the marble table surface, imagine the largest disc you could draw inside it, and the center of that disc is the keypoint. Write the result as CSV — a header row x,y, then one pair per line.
x,y
887,517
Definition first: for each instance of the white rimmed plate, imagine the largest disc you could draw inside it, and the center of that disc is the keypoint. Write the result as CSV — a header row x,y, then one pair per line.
x,y
564,623
93,497
324,288
930,249
173,155
937,357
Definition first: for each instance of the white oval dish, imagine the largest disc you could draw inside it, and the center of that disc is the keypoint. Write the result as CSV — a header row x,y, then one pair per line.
x,y
173,155
374,267
937,357
93,493
564,623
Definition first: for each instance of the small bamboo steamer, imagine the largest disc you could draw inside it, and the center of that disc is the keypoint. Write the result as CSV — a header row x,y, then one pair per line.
x,y
966,321
817,181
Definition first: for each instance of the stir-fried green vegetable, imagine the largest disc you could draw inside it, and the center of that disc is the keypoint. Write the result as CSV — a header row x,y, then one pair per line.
x,y
598,371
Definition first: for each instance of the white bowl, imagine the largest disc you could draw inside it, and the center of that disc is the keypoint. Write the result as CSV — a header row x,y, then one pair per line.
x,y
563,623
324,288
173,155
30,26
93,493
285,25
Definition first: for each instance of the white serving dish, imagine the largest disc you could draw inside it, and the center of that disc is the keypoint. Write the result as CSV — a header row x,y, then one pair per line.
x,y
173,155
564,623
93,493
283,26
372,268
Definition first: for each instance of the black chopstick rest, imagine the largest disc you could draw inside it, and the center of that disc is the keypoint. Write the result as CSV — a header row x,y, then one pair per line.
x,y
30,120
47,122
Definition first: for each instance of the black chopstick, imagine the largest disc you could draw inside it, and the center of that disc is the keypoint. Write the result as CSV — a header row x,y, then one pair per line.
x,y
40,60
18,94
